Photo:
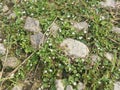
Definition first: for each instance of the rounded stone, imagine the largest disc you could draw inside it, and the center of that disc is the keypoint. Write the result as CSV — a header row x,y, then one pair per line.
x,y
74,48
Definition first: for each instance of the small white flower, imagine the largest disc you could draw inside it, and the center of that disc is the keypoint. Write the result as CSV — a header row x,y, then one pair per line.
x,y
98,48
69,68
60,30
43,8
59,64
119,69
12,75
99,82
47,41
68,16
50,70
31,7
4,40
61,19
21,18
23,12
85,31
83,10
80,38
31,64
83,60
50,44
73,33
45,71
51,50
77,74
48,30
53,57
32,14
102,17
46,34
44,61
74,83
88,38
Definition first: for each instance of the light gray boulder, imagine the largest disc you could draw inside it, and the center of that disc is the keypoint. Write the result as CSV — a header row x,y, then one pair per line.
x,y
74,48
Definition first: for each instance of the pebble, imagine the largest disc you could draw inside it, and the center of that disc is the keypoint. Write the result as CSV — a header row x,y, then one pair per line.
x,y
37,39
81,26
12,16
69,87
108,3
11,62
54,29
80,86
59,85
95,58
117,86
2,49
109,56
116,30
5,8
18,87
32,25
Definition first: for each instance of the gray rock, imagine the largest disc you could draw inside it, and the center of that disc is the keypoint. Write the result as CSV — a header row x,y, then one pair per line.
x,y
80,86
12,16
2,49
54,29
116,30
5,8
32,25
80,26
59,85
108,3
18,87
109,56
11,62
95,58
117,86
69,87
74,48
37,39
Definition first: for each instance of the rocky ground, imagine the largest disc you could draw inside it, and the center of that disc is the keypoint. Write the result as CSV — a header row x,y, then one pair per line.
x,y
59,45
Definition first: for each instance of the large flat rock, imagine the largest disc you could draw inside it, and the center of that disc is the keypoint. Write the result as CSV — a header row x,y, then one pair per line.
x,y
74,48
